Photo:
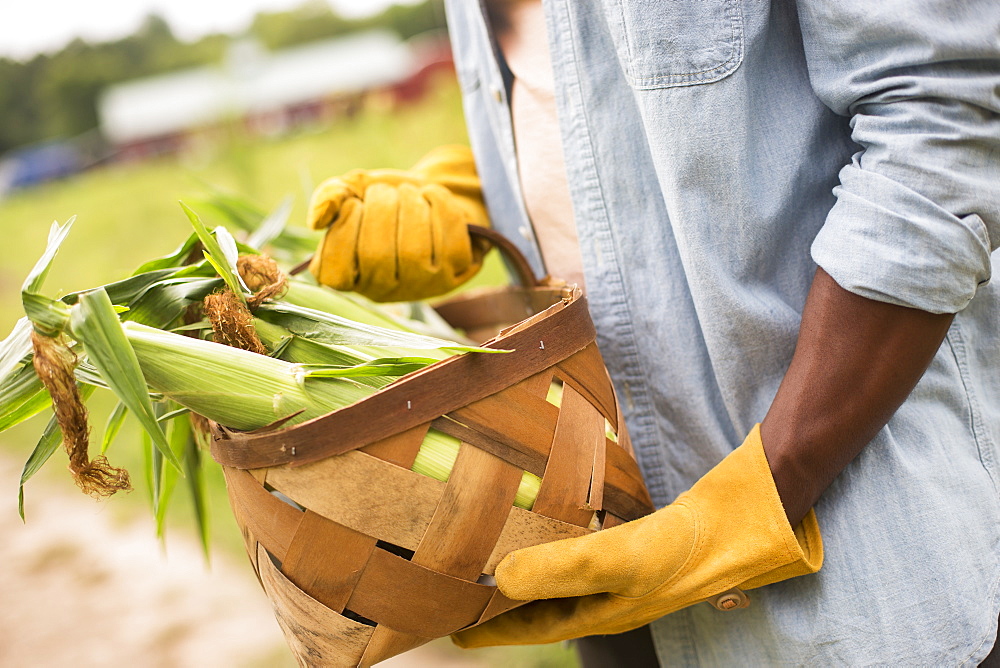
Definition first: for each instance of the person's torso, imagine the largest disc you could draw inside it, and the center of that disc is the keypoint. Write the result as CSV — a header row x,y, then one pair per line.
x,y
701,166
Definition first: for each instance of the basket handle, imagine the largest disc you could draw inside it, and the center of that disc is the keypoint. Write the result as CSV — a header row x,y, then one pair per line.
x,y
525,274
507,248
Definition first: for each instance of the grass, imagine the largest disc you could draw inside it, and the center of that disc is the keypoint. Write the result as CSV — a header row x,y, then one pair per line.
x,y
129,213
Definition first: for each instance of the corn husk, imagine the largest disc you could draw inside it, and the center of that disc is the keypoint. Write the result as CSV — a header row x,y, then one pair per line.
x,y
135,337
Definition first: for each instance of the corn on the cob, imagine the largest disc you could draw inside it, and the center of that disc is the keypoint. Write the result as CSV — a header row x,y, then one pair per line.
x,y
249,391
327,350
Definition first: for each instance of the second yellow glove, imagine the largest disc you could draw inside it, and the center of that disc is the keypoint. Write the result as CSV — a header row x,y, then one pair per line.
x,y
396,235
729,530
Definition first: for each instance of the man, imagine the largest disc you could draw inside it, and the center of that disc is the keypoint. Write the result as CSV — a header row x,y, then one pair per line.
x,y
787,214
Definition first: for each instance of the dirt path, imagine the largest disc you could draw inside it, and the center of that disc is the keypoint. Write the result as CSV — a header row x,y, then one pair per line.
x,y
78,589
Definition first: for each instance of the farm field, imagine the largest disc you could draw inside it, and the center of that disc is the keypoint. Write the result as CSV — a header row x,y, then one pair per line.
x,y
127,214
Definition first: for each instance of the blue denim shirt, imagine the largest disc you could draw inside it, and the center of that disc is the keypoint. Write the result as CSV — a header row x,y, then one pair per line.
x,y
717,151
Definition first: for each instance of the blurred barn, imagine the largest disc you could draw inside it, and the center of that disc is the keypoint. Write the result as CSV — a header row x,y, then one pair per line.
x,y
267,94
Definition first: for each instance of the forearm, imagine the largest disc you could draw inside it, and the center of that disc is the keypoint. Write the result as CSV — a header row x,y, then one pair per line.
x,y
855,362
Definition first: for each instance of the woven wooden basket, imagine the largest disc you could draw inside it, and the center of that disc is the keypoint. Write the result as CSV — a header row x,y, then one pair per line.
x,y
371,559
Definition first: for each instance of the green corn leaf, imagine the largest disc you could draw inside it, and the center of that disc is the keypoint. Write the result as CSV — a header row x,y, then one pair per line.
x,y
174,413
14,350
29,408
199,269
220,251
236,209
156,464
386,366
148,451
292,244
179,435
416,317
21,396
199,326
164,302
19,386
328,328
421,318
282,347
323,299
125,291
286,346
175,259
113,425
230,252
48,315
36,276
272,226
195,482
222,271
88,374
47,444
96,326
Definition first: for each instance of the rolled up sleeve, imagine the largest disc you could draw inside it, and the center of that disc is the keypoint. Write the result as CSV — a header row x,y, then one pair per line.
x,y
917,214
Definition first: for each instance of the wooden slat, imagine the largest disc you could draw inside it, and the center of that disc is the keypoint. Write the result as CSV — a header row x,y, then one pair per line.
x,y
409,598
418,398
522,458
565,489
586,373
271,521
624,441
540,314
249,541
316,635
621,432
525,529
325,559
595,496
513,417
400,449
386,643
470,516
366,494
625,494
538,385
499,604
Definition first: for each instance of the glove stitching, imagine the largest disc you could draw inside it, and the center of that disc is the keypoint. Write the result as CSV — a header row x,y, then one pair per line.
x,y
696,548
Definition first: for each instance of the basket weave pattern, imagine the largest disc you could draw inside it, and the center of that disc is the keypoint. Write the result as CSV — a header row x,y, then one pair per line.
x,y
373,559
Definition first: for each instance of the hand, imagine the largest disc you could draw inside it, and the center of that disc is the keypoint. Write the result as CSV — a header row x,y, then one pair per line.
x,y
729,530
396,235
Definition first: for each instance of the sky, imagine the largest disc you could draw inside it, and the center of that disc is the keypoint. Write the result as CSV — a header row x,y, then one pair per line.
x,y
28,27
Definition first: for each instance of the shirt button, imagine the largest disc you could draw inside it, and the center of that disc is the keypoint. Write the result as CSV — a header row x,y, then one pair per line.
x,y
525,232
497,94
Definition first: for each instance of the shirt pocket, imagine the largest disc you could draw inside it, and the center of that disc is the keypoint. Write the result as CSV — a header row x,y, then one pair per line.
x,y
676,42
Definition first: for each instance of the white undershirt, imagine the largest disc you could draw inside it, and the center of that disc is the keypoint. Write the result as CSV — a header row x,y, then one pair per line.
x,y
536,133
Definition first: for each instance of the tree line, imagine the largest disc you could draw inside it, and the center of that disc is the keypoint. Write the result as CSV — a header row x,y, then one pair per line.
x,y
55,95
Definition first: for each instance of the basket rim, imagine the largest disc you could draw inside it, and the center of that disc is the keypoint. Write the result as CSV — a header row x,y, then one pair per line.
x,y
537,343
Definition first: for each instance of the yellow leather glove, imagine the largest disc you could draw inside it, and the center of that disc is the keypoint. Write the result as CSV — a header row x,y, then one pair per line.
x,y
396,235
729,530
